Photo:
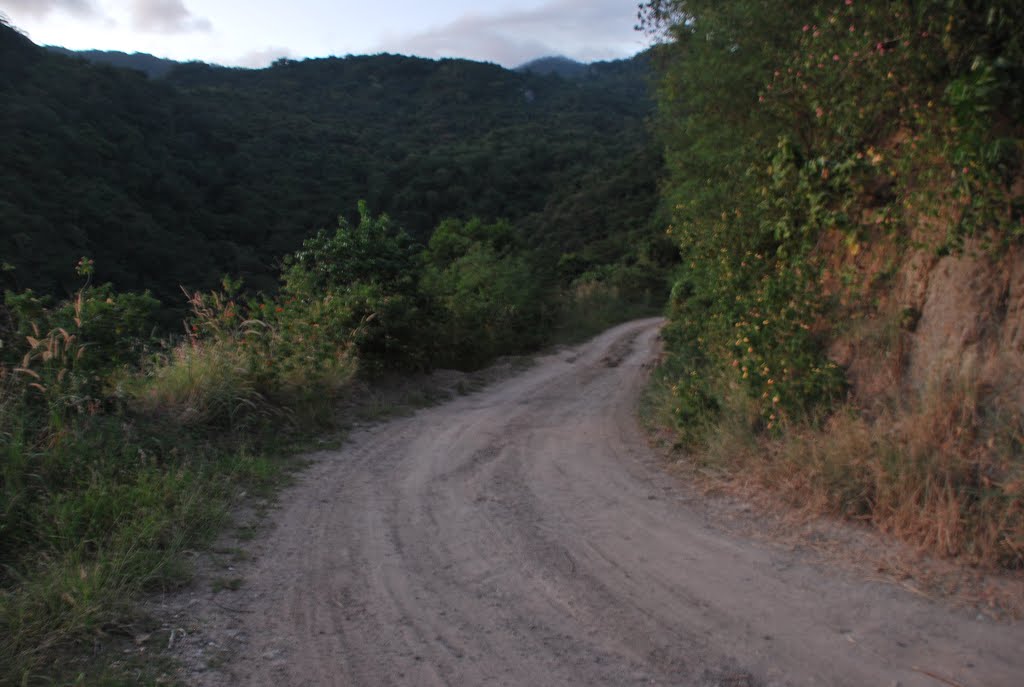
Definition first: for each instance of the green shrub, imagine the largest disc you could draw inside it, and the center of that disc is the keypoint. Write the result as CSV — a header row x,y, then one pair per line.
x,y
488,300
368,275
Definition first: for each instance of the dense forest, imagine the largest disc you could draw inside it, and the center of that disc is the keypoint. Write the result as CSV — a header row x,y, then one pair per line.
x,y
208,171
150,65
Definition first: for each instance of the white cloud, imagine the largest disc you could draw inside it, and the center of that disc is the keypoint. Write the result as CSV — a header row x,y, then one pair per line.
x,y
582,29
257,59
37,9
165,16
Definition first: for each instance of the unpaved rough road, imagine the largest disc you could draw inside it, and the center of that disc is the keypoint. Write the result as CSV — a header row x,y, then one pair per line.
x,y
524,535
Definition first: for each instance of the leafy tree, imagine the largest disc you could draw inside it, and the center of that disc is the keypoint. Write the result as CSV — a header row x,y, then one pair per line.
x,y
363,278
373,250
489,299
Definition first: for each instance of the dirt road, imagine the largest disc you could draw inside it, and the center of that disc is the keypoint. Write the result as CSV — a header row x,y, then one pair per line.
x,y
524,535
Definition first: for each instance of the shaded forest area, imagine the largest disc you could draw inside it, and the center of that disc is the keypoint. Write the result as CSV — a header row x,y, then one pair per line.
x,y
208,170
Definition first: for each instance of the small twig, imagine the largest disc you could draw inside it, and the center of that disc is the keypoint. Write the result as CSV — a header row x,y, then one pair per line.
x,y
911,588
904,585
232,610
937,677
174,633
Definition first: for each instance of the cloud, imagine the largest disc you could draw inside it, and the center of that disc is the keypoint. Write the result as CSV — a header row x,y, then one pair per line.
x,y
586,30
165,16
257,59
38,9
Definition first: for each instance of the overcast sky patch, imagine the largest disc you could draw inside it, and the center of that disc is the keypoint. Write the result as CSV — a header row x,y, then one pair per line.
x,y
557,27
257,59
507,32
166,16
40,8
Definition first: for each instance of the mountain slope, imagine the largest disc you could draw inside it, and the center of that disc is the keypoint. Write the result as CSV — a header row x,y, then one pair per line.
x,y
213,170
561,66
154,67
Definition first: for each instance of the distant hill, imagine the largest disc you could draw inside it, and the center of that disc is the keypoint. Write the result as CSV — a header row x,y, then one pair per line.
x,y
152,66
562,66
211,170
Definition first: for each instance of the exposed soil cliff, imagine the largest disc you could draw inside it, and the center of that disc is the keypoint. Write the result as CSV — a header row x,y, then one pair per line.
x,y
933,347
919,324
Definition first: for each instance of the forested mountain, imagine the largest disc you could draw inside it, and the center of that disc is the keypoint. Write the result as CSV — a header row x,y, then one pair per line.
x,y
211,170
562,66
153,66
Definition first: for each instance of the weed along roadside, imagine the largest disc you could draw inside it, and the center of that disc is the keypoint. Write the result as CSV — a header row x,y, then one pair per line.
x,y
124,452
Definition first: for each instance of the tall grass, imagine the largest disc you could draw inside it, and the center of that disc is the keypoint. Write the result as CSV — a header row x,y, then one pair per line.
x,y
202,384
96,511
110,472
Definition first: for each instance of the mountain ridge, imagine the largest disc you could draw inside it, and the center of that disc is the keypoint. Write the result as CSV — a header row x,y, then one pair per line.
x,y
555,64
151,65
158,67
211,170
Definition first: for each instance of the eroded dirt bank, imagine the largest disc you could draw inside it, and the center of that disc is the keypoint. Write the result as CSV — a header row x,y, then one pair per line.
x,y
524,535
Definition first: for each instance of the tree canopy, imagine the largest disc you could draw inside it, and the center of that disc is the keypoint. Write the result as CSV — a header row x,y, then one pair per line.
x,y
209,170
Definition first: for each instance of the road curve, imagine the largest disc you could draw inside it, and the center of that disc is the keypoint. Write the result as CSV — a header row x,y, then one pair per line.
x,y
523,535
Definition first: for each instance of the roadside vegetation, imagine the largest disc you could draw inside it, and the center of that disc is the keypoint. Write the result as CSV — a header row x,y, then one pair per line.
x,y
814,151
122,449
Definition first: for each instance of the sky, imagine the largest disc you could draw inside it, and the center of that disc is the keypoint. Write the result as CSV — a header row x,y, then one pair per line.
x,y
253,33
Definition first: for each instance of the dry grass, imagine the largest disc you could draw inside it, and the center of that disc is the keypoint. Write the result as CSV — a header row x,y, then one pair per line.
x,y
945,474
219,383
201,384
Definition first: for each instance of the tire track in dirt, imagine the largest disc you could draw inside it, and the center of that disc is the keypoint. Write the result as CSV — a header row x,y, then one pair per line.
x,y
521,536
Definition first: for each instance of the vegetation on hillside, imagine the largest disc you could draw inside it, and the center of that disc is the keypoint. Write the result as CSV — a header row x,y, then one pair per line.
x,y
519,212
799,135
150,65
562,66
209,170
